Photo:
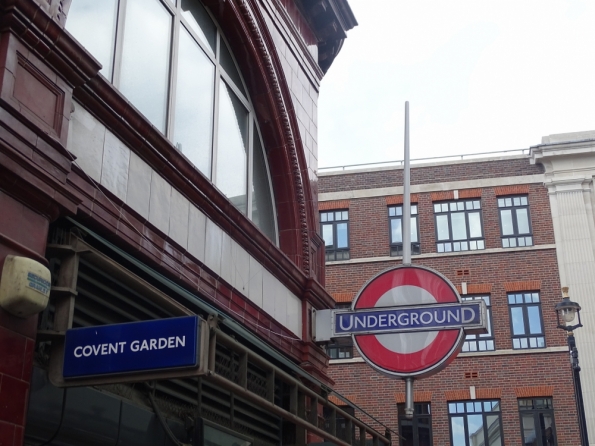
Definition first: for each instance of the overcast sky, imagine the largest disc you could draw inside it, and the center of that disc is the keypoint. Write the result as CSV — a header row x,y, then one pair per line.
x,y
479,75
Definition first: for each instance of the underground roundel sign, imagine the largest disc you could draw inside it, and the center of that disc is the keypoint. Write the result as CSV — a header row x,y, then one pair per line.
x,y
409,321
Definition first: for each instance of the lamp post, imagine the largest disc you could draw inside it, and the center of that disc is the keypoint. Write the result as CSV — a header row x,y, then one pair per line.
x,y
566,311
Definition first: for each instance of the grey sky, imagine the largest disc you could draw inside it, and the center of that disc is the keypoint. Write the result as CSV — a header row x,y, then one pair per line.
x,y
480,75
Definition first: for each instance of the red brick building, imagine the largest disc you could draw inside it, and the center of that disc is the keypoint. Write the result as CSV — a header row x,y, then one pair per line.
x,y
158,158
487,226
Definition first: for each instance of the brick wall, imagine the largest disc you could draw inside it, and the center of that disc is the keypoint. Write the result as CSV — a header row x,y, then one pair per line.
x,y
502,376
428,174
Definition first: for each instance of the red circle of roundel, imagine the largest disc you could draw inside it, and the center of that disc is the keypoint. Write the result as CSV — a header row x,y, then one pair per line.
x,y
441,349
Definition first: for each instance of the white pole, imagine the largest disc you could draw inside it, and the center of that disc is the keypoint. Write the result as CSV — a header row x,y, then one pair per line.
x,y
406,226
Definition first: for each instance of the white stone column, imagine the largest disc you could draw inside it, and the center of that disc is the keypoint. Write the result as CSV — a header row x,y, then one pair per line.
x,y
570,167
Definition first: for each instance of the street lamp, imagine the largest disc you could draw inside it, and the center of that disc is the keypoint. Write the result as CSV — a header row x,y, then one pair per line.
x,y
566,311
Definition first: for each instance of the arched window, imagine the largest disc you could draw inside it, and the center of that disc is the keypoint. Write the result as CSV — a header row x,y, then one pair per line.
x,y
170,60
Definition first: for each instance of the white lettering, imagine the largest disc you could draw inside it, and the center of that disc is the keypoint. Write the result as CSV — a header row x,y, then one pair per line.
x,y
171,342
134,346
104,349
180,342
122,344
153,344
413,318
96,349
455,316
392,320
87,350
79,354
113,348
382,320
144,345
341,326
403,319
428,321
471,311
436,316
361,322
372,321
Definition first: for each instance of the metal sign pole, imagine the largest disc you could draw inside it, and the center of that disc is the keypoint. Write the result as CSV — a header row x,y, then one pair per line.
x,y
406,226
406,236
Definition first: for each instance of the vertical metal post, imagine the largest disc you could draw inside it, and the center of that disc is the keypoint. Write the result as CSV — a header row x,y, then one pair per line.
x,y
406,227
578,390
409,397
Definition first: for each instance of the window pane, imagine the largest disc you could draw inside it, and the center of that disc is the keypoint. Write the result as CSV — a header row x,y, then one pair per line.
x,y
534,319
493,427
93,24
396,231
263,214
522,219
232,156
229,65
475,426
529,432
506,219
459,228
327,235
194,104
414,230
200,22
442,227
474,225
342,235
518,326
457,427
144,75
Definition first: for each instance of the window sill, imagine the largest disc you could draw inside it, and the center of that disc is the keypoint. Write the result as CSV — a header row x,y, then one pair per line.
x,y
444,254
562,349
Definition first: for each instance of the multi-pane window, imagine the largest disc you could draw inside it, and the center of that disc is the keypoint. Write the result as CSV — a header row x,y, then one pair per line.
x,y
395,218
485,341
335,232
458,226
474,423
341,348
537,421
525,320
173,64
416,431
515,224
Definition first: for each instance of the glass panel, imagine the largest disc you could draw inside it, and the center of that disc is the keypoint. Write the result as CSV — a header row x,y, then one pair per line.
x,y
330,216
459,228
470,406
342,235
345,215
535,297
399,211
529,241
493,427
323,217
506,220
444,207
461,407
516,343
229,66
338,216
518,325
144,74
480,244
505,243
473,245
500,202
448,247
391,212
413,209
440,247
414,230
452,408
436,208
327,235
457,428
508,201
523,201
93,24
263,211
424,431
200,22
464,246
512,242
474,225
516,201
524,343
522,220
475,426
534,317
547,425
469,205
232,156
396,231
453,206
461,206
477,204
406,432
194,104
442,227
529,432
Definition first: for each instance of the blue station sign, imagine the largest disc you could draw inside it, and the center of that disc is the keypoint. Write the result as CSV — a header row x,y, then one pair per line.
x,y
132,347
467,315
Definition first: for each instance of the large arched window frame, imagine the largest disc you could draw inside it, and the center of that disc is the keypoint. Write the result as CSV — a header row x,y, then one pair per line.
x,y
171,61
